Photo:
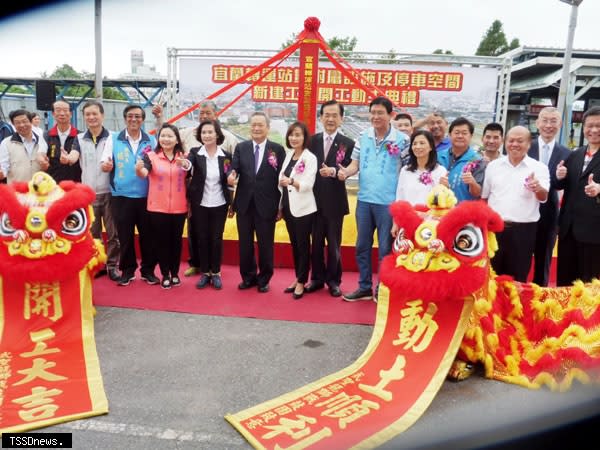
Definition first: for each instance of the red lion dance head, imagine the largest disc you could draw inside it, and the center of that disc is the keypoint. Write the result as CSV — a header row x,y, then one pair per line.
x,y
442,251
45,230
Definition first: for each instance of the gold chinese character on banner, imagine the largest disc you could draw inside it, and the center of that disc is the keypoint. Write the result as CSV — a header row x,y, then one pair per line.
x,y
453,81
235,72
416,330
334,76
43,299
347,408
298,430
401,79
260,92
38,405
435,80
396,372
276,92
384,78
409,98
39,369
41,348
220,73
418,79
324,94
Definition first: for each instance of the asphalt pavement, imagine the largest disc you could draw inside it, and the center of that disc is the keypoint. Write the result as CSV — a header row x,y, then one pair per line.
x,y
171,377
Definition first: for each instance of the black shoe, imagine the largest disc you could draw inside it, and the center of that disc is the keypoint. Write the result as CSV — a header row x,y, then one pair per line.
x,y
335,291
313,286
124,280
263,289
359,294
298,295
289,289
246,284
216,282
113,274
166,283
150,278
101,273
175,281
203,281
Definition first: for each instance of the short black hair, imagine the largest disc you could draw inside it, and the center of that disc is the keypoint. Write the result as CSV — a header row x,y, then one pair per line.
x,y
217,127
134,106
332,102
305,132
494,126
403,115
93,103
462,121
18,112
384,101
593,111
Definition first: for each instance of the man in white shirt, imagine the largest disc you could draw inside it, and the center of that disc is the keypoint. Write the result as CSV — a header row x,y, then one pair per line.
x,y
22,153
514,187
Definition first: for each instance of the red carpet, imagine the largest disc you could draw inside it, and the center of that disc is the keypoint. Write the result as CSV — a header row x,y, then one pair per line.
x,y
317,307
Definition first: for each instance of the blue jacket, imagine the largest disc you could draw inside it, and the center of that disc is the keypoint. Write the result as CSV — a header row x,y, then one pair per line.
x,y
123,180
455,170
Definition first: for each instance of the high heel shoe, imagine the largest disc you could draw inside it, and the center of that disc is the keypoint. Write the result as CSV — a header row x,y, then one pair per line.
x,y
290,289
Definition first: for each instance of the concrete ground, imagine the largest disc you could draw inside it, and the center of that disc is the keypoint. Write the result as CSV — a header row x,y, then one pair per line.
x,y
171,377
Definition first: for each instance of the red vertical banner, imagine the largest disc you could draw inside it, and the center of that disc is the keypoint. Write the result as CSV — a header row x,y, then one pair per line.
x,y
307,93
49,371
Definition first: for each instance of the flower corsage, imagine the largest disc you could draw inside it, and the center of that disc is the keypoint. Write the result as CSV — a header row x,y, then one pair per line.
x,y
272,159
426,178
392,148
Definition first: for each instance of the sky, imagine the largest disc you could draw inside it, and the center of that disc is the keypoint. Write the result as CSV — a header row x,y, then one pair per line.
x,y
42,39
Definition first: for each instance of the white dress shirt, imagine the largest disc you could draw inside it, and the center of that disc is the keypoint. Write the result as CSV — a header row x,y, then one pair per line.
x,y
411,189
505,190
213,190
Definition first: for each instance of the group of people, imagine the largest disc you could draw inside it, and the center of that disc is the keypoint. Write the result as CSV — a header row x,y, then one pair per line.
x,y
203,174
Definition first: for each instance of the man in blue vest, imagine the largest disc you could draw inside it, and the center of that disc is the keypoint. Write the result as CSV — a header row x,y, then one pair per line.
x,y
379,159
130,195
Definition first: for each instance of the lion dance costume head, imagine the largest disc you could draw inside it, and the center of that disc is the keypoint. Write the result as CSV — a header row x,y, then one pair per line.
x,y
45,230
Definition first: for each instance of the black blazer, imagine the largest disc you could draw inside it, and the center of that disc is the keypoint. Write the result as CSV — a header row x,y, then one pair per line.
x,y
549,210
195,189
330,193
263,186
580,212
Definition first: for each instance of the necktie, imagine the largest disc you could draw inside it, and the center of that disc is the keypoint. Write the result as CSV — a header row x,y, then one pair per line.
x,y
328,142
256,158
546,154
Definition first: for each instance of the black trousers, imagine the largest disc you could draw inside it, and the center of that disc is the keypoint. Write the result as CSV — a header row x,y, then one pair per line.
x,y
167,230
515,247
193,260
299,229
576,260
545,238
129,213
326,229
247,224
208,225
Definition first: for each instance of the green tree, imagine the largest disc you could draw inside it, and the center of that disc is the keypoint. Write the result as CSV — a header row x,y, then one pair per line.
x,y
439,51
494,41
339,44
390,58
67,72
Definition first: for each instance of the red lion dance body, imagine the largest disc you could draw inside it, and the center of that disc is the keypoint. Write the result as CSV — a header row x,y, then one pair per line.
x,y
520,332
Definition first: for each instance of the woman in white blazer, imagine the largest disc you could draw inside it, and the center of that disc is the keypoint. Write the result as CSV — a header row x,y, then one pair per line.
x,y
298,205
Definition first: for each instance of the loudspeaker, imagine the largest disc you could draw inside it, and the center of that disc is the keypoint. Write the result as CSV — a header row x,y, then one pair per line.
x,y
45,94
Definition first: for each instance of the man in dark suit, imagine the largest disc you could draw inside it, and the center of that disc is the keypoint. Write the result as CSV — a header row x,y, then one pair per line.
x,y
579,221
258,163
547,150
331,149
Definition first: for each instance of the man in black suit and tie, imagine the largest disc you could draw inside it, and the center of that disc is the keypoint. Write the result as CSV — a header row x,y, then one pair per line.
x,y
547,150
579,221
258,163
331,149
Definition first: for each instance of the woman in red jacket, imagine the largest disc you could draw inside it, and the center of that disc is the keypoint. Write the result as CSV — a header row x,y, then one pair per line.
x,y
167,170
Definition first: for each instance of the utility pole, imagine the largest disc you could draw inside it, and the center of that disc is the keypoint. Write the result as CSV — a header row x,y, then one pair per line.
x,y
98,42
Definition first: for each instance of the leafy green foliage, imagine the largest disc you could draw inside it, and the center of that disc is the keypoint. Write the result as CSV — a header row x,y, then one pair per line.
x,y
494,41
